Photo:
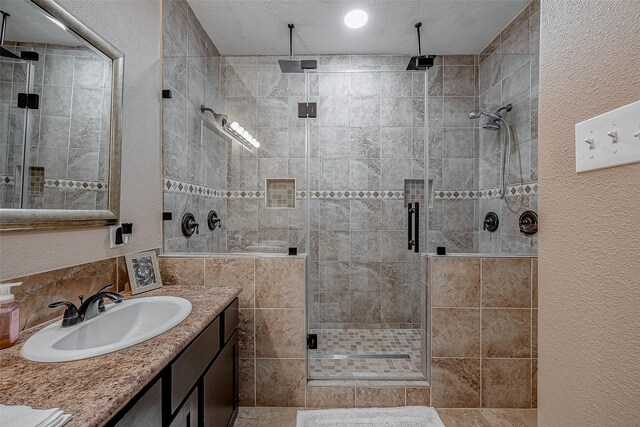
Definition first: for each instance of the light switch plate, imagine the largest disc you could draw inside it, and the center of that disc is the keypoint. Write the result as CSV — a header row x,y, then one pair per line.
x,y
595,146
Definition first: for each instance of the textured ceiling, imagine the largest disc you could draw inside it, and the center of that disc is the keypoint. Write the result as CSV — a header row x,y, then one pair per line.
x,y
252,27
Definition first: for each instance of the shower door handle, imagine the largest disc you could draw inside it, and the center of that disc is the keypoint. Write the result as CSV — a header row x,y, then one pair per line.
x,y
413,227
416,228
409,226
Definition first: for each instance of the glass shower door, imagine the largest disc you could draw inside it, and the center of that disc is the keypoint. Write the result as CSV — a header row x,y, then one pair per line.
x,y
366,187
13,120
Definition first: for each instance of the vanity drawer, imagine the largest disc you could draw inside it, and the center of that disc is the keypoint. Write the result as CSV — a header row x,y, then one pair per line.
x,y
190,365
230,323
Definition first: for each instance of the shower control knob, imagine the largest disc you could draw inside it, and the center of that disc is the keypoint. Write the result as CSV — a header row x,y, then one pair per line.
x,y
591,142
637,135
614,136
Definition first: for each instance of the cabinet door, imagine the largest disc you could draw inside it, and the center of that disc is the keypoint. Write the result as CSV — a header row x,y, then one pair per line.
x,y
147,412
188,415
221,387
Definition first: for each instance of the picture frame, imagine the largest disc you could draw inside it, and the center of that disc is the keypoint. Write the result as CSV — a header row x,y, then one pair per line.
x,y
143,270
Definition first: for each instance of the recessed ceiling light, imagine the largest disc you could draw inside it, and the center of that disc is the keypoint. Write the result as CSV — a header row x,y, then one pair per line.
x,y
356,19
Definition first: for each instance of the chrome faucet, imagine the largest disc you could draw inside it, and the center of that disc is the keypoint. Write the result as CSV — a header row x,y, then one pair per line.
x,y
89,308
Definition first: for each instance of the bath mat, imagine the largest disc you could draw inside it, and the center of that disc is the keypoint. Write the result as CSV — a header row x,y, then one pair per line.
x,y
408,416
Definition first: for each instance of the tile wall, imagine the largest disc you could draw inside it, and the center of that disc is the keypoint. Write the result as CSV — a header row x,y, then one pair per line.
x,y
483,331
273,336
508,73
194,152
69,131
65,284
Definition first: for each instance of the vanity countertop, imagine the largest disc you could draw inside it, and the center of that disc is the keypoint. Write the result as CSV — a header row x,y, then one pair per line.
x,y
93,390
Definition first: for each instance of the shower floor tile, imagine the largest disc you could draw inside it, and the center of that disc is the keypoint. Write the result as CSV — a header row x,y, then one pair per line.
x,y
366,354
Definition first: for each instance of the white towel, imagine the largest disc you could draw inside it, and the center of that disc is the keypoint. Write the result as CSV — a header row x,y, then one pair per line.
x,y
26,416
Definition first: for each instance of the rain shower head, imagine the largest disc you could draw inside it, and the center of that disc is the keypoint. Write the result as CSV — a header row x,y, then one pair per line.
x,y
290,66
420,62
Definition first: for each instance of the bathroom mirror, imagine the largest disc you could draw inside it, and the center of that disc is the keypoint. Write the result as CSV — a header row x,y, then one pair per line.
x,y
60,120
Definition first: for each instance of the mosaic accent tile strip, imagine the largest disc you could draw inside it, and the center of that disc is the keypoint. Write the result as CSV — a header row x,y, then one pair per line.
x,y
357,194
366,342
75,185
492,193
173,186
62,184
7,180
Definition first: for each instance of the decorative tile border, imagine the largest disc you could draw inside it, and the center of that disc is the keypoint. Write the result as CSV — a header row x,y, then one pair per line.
x,y
492,193
7,180
173,186
62,184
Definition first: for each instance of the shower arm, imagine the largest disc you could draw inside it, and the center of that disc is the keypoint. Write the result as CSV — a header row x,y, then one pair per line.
x,y
418,25
291,27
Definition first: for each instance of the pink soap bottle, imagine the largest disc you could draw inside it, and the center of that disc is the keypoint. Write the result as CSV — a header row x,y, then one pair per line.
x,y
9,316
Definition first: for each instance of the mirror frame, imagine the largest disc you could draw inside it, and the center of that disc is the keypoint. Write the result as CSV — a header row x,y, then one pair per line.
x,y
34,219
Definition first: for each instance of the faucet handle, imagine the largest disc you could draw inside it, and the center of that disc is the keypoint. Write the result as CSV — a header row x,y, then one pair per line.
x,y
109,286
71,314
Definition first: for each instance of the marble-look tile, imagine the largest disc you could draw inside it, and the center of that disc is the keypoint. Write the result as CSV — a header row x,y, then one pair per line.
x,y
366,307
280,382
506,333
280,333
267,417
534,383
396,111
516,86
455,282
56,101
418,396
87,102
39,290
506,282
182,271
372,397
455,383
534,283
510,417
330,397
506,383
247,387
54,131
459,80
455,332
246,333
459,60
88,72
232,272
85,133
456,110
280,283
462,418
534,333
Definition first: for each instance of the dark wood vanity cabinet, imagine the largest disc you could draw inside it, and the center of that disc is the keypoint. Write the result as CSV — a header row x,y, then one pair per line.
x,y
199,388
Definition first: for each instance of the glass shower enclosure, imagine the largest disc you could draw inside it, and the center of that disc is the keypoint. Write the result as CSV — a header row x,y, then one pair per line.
x,y
366,186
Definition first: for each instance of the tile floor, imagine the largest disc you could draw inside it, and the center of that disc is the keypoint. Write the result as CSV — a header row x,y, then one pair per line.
x,y
366,342
286,417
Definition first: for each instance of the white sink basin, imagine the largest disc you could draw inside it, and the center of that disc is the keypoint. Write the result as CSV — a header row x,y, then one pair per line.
x,y
120,326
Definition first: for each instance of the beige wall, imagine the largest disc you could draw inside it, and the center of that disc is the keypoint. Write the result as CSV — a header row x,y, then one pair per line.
x,y
134,28
589,240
